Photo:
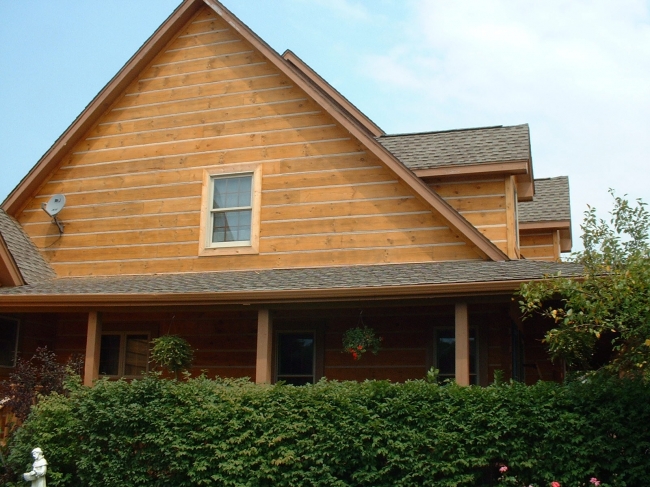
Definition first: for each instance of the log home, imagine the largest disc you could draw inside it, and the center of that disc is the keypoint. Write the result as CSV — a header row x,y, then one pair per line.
x,y
228,194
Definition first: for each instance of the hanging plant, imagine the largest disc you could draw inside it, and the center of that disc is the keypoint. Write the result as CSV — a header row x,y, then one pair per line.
x,y
359,340
172,352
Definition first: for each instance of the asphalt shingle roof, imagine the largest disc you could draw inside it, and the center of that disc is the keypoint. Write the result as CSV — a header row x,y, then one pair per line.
x,y
550,203
366,276
31,264
460,147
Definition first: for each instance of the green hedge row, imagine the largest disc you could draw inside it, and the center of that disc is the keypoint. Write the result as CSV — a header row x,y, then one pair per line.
x,y
156,432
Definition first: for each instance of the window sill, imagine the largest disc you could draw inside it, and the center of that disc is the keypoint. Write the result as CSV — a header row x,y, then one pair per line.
x,y
234,250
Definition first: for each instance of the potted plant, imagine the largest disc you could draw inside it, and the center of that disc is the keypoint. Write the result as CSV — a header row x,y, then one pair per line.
x,y
359,340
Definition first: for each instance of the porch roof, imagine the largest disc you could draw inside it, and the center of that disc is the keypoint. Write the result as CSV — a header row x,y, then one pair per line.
x,y
345,282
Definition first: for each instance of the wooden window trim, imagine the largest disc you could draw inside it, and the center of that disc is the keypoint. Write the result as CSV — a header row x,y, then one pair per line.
x,y
206,247
122,355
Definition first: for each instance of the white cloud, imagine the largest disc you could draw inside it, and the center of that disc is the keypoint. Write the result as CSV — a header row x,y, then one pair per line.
x,y
577,70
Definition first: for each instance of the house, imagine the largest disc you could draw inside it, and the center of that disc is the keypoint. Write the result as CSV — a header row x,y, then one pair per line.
x,y
220,191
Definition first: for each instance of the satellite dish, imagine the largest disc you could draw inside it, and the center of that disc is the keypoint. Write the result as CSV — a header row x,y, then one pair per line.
x,y
55,205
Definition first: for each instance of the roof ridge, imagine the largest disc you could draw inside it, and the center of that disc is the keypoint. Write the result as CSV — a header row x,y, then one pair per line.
x,y
489,127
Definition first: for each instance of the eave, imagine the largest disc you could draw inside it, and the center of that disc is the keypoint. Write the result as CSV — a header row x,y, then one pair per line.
x,y
19,303
563,226
522,170
328,89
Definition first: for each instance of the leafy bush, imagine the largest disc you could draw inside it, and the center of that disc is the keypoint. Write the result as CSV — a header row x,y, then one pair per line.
x,y
153,432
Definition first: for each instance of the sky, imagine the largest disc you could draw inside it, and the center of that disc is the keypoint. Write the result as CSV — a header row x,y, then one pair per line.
x,y
577,71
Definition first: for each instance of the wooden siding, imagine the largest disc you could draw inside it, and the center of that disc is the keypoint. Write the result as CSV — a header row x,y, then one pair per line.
x,y
542,245
483,203
133,184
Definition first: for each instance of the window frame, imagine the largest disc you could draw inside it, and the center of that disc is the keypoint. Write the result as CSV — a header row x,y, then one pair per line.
x,y
206,246
473,330
121,366
15,354
289,326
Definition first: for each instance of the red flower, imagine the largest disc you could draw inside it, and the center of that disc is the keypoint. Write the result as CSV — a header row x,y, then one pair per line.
x,y
360,347
355,355
555,484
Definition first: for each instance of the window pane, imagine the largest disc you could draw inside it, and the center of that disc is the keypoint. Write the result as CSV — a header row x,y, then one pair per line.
x,y
137,353
446,354
232,192
8,336
231,226
109,355
296,358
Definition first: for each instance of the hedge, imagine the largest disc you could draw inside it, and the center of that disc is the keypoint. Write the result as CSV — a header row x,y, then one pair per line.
x,y
156,432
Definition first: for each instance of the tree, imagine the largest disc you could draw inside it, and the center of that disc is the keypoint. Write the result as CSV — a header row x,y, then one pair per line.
x,y
602,320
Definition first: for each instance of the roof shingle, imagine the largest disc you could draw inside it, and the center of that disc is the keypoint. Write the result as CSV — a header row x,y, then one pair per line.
x,y
31,264
346,277
550,203
460,147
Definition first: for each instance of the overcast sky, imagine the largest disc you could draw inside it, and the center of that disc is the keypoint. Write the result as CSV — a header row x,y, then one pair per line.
x,y
577,71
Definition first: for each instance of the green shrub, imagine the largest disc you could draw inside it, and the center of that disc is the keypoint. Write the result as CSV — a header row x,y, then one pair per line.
x,y
153,432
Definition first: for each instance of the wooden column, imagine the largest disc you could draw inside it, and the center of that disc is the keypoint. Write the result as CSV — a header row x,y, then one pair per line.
x,y
93,344
264,364
462,344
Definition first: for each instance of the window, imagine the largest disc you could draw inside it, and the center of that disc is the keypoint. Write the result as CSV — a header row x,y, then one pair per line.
x,y
445,354
295,358
8,341
124,354
230,210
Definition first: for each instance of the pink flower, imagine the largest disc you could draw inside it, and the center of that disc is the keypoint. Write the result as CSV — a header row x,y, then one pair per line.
x,y
555,484
503,469
595,481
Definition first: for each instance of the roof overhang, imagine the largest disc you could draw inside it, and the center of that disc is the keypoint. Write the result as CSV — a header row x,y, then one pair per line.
x,y
51,302
328,89
522,170
562,226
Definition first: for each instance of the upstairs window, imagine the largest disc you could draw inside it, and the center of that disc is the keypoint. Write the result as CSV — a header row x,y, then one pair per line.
x,y
230,210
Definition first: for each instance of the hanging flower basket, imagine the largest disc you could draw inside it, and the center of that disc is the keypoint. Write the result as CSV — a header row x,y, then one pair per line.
x,y
357,341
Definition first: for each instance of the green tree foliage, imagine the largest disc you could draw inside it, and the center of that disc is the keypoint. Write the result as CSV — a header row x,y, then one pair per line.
x,y
603,320
154,432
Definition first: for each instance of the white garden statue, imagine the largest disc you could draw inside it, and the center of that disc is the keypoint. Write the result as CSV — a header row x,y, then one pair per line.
x,y
39,469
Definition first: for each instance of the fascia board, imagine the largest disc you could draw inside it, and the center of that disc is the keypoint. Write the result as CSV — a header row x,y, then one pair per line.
x,y
321,83
94,301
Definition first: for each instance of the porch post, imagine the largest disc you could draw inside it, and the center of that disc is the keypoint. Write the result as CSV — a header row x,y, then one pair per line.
x,y
264,364
93,343
462,345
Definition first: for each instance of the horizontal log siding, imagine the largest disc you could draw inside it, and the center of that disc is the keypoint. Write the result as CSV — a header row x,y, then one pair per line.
x,y
482,203
133,184
539,246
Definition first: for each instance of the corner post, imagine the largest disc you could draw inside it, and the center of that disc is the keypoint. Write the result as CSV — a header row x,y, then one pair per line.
x,y
93,344
263,364
462,344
